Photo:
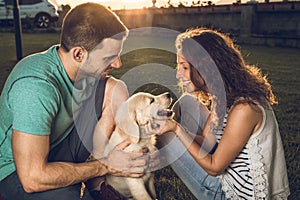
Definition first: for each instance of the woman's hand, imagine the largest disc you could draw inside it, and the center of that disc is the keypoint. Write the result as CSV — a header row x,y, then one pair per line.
x,y
160,127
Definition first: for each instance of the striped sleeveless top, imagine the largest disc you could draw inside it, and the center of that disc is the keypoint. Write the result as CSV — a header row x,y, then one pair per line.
x,y
236,180
254,174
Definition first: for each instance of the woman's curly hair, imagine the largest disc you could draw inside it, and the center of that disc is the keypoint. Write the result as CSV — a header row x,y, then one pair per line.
x,y
241,81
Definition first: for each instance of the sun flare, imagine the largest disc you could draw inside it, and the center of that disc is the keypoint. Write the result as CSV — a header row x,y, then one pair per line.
x,y
124,4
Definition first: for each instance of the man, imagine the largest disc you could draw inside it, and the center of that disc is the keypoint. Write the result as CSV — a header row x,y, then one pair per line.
x,y
41,154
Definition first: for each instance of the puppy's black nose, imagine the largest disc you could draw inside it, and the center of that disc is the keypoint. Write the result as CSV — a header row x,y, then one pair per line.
x,y
168,95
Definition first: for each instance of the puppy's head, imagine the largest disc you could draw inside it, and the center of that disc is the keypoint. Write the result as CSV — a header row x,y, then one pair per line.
x,y
140,109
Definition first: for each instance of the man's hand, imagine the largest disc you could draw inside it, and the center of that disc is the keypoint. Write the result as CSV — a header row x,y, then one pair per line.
x,y
121,163
154,161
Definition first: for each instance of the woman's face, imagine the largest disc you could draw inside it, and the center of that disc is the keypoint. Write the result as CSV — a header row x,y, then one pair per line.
x,y
184,74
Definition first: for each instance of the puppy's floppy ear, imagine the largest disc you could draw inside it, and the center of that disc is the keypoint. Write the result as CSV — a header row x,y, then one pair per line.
x,y
126,121
141,119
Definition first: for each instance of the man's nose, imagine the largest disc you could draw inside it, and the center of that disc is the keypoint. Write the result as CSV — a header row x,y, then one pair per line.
x,y
117,63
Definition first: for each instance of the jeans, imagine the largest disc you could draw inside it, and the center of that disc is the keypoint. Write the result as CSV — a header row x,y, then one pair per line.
x,y
202,185
11,189
192,115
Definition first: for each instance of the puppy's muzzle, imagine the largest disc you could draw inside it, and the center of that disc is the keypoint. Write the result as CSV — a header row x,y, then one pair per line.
x,y
165,113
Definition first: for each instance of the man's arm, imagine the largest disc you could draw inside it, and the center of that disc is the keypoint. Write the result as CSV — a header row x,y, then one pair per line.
x,y
36,174
115,94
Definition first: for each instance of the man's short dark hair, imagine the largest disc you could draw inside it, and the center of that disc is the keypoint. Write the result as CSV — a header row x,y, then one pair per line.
x,y
88,24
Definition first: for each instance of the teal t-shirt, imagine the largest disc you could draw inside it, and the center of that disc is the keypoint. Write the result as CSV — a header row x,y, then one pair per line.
x,y
38,98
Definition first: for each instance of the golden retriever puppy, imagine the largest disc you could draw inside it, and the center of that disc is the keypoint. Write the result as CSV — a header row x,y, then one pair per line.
x,y
131,118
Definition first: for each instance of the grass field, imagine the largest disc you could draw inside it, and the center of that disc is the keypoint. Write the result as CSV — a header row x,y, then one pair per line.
x,y
281,65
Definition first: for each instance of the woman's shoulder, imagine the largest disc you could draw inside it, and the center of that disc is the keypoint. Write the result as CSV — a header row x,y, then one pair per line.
x,y
245,108
247,113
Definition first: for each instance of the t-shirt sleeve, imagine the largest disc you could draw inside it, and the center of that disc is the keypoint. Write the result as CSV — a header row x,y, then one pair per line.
x,y
34,103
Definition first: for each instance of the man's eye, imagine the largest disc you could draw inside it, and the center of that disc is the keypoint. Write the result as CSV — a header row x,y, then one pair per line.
x,y
151,100
110,58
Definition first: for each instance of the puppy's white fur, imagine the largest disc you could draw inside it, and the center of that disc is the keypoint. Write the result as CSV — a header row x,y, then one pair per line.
x,y
140,109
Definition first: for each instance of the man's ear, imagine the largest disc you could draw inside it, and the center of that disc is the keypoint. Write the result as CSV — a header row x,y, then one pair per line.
x,y
126,121
79,53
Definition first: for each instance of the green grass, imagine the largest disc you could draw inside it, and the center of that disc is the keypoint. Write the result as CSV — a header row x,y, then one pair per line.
x,y
281,65
32,43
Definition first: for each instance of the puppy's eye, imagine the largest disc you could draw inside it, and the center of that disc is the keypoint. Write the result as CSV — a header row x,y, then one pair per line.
x,y
151,100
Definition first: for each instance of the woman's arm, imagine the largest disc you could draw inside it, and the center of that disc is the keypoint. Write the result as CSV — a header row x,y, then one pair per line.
x,y
242,121
206,139
193,115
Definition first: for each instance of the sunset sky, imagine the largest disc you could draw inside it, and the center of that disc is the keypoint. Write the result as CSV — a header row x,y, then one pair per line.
x,y
130,4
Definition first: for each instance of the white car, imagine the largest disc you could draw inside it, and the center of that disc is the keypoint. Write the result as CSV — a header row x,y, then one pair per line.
x,y
41,12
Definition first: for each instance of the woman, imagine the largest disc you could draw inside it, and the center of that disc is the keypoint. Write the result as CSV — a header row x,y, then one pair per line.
x,y
247,162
